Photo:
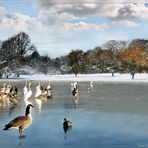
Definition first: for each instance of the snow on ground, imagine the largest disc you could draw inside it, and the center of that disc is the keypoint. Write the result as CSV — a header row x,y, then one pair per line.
x,y
107,77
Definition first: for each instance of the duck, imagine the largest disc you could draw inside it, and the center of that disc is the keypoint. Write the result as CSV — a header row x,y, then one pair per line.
x,y
67,125
21,122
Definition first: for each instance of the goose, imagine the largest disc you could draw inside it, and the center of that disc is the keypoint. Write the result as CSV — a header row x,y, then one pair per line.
x,y
5,100
13,99
9,100
14,91
8,89
21,122
28,94
4,88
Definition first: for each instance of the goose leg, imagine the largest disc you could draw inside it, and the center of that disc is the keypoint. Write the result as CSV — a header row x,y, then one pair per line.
x,y
20,132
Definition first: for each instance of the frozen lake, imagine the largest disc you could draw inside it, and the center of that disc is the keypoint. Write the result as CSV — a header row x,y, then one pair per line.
x,y
110,115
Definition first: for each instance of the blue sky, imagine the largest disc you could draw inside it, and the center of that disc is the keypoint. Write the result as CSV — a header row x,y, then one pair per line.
x,y
57,28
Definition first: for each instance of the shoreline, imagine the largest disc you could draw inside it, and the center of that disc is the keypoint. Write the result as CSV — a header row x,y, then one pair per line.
x,y
103,78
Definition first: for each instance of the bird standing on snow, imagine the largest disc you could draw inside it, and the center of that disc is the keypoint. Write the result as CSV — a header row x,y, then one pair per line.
x,y
21,122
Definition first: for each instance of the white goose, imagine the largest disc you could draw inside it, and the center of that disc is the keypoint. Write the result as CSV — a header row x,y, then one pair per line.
x,y
21,122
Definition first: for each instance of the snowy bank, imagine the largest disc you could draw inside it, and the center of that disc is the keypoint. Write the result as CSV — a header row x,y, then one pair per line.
x,y
107,77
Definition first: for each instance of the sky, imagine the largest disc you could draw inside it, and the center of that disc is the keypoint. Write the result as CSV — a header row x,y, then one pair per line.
x,y
56,27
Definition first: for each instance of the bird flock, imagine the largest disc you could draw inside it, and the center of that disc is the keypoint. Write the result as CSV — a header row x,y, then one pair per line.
x,y
9,94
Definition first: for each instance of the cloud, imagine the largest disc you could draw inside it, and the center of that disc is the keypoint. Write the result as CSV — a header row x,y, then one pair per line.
x,y
126,23
81,26
136,11
114,10
53,18
72,14
15,21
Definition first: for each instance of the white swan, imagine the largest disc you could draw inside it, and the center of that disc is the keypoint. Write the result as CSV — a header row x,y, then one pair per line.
x,y
25,89
28,94
38,90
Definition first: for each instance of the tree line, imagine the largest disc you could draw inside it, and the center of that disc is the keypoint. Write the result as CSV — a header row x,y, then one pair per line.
x,y
18,54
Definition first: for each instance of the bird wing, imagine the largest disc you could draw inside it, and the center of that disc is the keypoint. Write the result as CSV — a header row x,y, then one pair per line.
x,y
17,122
